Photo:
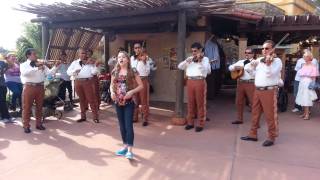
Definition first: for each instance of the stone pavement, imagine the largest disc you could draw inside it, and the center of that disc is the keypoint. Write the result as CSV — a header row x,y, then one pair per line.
x,y
85,151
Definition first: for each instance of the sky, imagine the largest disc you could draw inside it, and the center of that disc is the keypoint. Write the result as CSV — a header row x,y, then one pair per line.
x,y
12,20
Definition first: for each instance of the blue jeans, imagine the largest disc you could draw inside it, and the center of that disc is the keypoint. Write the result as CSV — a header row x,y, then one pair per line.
x,y
16,89
3,103
125,117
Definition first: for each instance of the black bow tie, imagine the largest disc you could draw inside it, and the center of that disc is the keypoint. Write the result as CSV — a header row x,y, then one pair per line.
x,y
33,64
81,63
246,62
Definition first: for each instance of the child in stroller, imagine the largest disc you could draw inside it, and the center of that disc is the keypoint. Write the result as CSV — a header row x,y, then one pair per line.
x,y
50,97
104,79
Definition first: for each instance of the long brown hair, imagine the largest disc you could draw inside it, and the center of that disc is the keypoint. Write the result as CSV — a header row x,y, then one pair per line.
x,y
130,79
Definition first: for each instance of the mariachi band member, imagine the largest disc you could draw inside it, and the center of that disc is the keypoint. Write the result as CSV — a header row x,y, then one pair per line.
x,y
83,73
197,67
96,85
245,84
33,75
267,78
143,64
61,68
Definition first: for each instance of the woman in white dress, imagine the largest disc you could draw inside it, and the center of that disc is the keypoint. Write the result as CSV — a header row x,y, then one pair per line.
x,y
306,96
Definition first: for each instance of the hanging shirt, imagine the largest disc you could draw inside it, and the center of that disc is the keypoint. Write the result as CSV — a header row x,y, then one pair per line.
x,y
267,75
32,74
196,68
211,50
247,68
86,70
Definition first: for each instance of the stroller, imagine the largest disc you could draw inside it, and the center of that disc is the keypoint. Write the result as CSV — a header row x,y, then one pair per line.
x,y
50,98
105,81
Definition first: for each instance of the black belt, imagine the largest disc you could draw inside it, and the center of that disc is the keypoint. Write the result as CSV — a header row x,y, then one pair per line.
x,y
266,88
247,81
196,77
83,79
144,77
34,84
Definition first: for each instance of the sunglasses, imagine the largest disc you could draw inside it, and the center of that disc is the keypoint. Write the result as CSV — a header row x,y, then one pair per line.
x,y
137,47
248,52
265,48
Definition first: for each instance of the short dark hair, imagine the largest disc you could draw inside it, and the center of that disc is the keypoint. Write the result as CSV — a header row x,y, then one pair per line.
x,y
29,51
269,42
249,49
196,45
137,43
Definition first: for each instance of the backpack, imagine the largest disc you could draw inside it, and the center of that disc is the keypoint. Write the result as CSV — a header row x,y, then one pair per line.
x,y
282,100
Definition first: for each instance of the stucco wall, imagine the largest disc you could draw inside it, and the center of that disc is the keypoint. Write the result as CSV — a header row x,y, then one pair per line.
x,y
158,46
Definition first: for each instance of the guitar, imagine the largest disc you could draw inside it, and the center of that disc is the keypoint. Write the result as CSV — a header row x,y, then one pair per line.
x,y
236,74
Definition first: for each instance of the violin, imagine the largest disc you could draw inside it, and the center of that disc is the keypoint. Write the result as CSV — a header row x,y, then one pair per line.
x,y
198,58
142,57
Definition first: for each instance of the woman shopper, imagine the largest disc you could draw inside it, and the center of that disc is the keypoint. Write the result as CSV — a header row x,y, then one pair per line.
x,y
13,81
308,74
125,83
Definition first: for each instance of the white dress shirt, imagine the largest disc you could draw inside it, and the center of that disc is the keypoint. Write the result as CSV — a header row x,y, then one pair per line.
x,y
86,70
143,69
31,74
248,72
192,69
299,65
267,75
62,70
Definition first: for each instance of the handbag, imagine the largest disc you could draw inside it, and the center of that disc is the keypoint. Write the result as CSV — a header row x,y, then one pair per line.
x,y
314,85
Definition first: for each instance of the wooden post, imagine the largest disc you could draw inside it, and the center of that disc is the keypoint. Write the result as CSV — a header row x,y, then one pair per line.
x,y
242,46
178,118
106,51
45,39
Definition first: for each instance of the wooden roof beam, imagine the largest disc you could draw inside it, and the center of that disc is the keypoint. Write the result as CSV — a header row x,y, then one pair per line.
x,y
98,16
116,22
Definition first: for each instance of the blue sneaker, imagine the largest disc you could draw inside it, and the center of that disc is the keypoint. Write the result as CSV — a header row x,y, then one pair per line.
x,y
129,155
122,152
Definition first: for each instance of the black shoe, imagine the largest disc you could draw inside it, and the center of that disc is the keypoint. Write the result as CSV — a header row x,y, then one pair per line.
x,y
145,123
248,138
267,143
96,120
188,127
40,128
27,130
199,129
81,120
236,122
74,105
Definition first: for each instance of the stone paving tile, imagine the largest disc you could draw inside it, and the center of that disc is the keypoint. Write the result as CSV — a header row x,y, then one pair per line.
x,y
69,150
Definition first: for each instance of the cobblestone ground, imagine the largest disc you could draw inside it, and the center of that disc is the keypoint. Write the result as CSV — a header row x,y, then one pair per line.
x,y
70,150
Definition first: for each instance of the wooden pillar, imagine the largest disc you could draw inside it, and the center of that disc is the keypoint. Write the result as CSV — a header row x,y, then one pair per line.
x,y
178,118
242,46
315,51
106,51
45,39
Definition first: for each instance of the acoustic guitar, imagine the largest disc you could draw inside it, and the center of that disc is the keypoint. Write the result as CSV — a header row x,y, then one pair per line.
x,y
236,74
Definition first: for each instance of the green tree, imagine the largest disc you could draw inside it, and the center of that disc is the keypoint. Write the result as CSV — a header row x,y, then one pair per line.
x,y
31,38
